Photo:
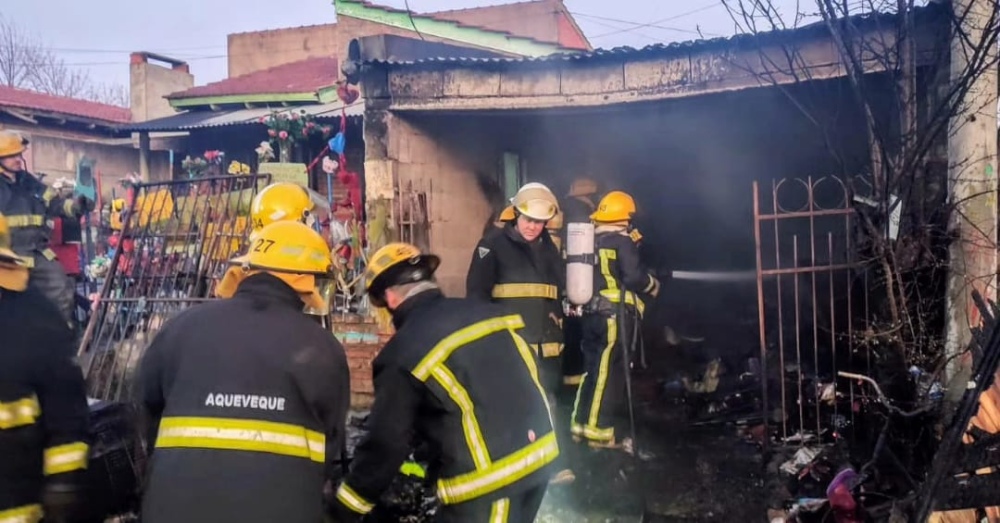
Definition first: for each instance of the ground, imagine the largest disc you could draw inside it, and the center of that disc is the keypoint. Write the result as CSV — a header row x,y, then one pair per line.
x,y
697,474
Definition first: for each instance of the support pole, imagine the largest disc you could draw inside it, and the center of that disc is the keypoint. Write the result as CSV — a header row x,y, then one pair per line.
x,y
144,157
972,181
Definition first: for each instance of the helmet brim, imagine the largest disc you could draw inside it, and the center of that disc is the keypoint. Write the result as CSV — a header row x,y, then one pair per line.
x,y
391,275
244,261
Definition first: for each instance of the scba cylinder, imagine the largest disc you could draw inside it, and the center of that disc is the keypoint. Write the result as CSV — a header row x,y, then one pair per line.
x,y
580,263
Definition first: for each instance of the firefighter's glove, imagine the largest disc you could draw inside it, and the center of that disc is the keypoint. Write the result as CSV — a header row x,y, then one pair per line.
x,y
63,501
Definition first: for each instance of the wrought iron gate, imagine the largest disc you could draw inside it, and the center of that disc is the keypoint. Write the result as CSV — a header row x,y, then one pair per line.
x,y
806,282
173,247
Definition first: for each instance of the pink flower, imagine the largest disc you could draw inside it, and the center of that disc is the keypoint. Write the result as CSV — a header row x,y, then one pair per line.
x,y
283,135
271,133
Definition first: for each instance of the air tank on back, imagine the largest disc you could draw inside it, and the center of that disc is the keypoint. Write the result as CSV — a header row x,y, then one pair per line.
x,y
579,263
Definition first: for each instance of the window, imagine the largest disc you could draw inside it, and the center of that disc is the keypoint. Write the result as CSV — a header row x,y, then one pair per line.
x,y
512,174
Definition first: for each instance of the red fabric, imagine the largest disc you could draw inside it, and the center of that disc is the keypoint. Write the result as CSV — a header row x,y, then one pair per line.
x,y
69,257
845,509
56,237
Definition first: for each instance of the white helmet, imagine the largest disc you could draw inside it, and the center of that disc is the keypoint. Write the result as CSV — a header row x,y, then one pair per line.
x,y
535,201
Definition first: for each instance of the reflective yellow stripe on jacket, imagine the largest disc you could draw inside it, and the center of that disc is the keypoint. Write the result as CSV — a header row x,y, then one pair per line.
x,y
352,500
25,514
19,413
65,458
503,472
490,474
525,290
242,434
613,293
25,220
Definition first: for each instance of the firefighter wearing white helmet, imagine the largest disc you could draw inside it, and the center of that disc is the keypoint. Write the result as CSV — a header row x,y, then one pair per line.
x,y
519,267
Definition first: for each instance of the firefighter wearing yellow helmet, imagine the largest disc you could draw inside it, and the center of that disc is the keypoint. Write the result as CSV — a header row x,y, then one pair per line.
x,y
28,204
280,201
43,405
519,267
248,387
619,273
506,215
452,364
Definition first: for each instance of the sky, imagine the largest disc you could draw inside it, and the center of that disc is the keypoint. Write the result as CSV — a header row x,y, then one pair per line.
x,y
98,35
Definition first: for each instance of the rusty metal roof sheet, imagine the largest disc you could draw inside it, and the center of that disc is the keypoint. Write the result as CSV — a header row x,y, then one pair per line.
x,y
929,12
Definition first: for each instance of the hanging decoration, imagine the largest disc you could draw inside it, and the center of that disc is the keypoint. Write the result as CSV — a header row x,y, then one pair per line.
x,y
289,128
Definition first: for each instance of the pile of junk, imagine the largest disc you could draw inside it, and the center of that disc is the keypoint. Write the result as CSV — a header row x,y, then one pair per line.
x,y
836,448
852,455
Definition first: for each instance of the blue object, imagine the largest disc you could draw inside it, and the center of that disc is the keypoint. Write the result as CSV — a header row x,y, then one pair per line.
x,y
337,143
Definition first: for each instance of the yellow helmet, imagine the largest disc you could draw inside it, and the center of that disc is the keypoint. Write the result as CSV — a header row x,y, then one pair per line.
x,y
280,201
396,264
616,206
287,246
582,187
12,144
535,201
13,268
507,214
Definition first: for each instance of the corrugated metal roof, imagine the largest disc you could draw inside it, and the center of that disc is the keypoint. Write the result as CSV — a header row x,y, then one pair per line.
x,y
303,76
923,13
205,119
61,105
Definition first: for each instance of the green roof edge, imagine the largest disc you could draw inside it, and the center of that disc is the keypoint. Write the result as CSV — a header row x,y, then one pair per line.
x,y
244,99
454,31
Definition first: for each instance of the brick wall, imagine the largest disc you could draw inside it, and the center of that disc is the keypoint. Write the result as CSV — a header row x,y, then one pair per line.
x,y
361,340
450,162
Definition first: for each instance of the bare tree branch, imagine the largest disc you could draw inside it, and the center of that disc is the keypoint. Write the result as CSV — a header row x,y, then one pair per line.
x,y
27,63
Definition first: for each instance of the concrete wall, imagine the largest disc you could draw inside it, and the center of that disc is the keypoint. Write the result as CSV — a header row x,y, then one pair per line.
x,y
56,154
669,73
258,50
151,82
452,162
542,20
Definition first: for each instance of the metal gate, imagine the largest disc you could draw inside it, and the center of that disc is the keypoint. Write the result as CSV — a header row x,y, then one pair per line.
x,y
806,293
175,240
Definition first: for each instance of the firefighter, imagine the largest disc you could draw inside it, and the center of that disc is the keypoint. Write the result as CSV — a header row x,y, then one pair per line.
x,y
554,226
458,377
519,267
601,395
247,397
280,201
506,215
577,207
28,203
43,406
